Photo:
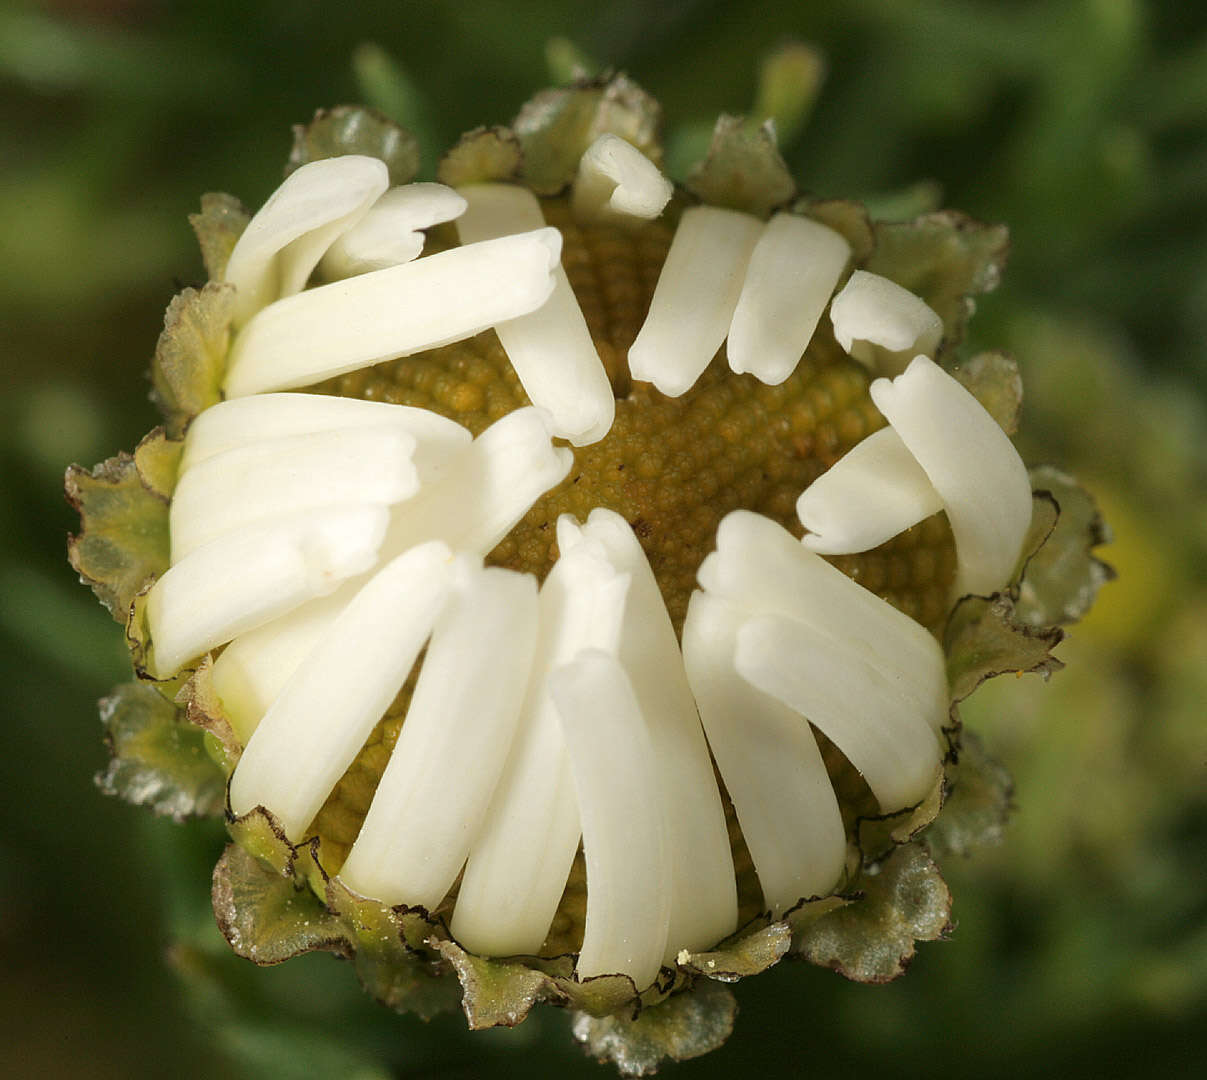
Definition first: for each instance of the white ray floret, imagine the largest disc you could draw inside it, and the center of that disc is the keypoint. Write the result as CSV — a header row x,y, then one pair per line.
x,y
616,181
883,325
623,816
768,757
240,422
873,492
518,866
704,902
858,705
249,577
695,297
316,727
972,464
550,348
759,566
283,476
419,305
392,231
435,791
477,499
792,274
284,241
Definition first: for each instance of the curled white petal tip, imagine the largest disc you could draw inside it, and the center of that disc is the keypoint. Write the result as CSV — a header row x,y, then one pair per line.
x,y
792,273
625,843
883,325
284,241
439,782
695,298
378,316
872,493
391,232
769,760
972,464
251,576
615,180
315,728
551,348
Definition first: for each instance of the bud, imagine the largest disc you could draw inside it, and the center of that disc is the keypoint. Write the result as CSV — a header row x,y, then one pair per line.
x,y
572,578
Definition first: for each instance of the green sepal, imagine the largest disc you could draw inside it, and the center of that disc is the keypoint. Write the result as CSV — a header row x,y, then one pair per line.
x,y
497,993
878,835
980,799
1063,577
685,1026
946,258
158,758
482,156
556,127
190,356
847,218
905,900
984,638
204,711
265,916
749,952
218,226
993,379
743,169
356,129
123,541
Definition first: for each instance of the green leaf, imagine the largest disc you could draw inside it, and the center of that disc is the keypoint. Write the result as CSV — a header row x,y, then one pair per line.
x,y
190,356
980,798
684,1027
265,916
743,169
484,155
158,757
993,379
123,542
946,258
354,129
1063,577
984,638
872,940
790,78
218,226
556,127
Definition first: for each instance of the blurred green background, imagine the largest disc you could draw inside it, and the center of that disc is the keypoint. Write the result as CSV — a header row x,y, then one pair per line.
x,y
1081,945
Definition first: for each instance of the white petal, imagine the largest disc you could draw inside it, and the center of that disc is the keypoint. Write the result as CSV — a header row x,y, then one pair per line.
x,y
872,493
249,577
517,868
883,325
243,421
315,729
791,276
760,567
437,786
482,494
551,348
695,298
615,180
405,309
704,901
283,476
769,760
973,465
487,489
859,706
623,816
283,243
391,232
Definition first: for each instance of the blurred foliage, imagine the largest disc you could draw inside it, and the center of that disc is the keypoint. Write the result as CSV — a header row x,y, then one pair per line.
x,y
1082,941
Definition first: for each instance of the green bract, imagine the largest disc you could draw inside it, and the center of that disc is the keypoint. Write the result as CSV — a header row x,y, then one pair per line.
x,y
175,748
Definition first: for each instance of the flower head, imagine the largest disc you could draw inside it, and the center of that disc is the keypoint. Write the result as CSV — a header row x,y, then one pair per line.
x,y
495,562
